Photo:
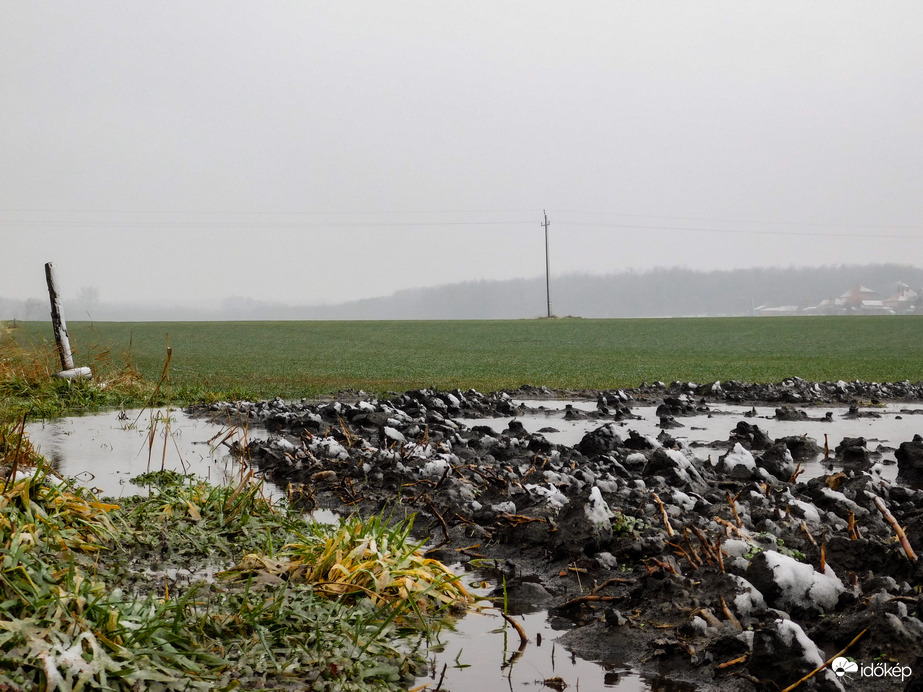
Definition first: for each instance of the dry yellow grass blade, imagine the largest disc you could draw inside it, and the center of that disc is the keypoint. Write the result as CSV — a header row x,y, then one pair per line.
x,y
363,559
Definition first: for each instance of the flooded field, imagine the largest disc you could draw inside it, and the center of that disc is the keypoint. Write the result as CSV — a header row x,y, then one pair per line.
x,y
103,451
884,427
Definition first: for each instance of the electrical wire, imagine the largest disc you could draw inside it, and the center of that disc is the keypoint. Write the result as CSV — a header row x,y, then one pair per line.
x,y
558,223
746,231
745,221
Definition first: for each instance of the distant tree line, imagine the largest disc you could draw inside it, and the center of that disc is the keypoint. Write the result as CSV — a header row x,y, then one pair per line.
x,y
662,292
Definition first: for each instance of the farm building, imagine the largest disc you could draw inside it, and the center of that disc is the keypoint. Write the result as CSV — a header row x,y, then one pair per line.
x,y
859,300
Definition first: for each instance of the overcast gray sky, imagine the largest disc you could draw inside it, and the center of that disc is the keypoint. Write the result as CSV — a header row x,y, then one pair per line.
x,y
315,152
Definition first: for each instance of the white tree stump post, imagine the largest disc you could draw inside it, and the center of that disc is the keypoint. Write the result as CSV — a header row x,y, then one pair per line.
x,y
60,331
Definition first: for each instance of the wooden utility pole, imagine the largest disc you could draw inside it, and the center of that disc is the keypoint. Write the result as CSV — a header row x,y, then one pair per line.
x,y
546,224
60,331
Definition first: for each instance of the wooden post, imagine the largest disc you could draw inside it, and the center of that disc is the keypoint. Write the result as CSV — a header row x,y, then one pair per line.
x,y
60,333
69,372
57,321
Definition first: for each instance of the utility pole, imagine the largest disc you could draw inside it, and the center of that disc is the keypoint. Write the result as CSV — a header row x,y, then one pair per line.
x,y
547,266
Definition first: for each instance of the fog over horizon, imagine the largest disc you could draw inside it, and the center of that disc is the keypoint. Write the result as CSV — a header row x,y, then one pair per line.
x,y
658,292
310,154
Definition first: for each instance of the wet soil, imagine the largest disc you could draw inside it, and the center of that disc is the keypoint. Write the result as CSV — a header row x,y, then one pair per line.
x,y
733,571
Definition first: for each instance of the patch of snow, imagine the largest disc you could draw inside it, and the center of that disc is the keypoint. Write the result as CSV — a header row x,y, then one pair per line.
x,y
607,486
283,444
840,498
750,599
682,499
683,466
28,474
329,448
597,510
737,457
553,497
508,507
735,547
802,586
791,633
607,561
467,491
808,510
435,467
393,434
558,478
420,451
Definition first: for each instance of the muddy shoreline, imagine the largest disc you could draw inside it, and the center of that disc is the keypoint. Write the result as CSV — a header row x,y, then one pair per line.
x,y
731,571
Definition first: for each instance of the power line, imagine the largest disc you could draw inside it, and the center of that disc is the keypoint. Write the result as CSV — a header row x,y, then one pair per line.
x,y
260,212
252,224
263,224
745,231
418,212
746,221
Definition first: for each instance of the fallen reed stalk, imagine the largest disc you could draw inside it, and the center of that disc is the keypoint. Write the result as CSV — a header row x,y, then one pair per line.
x,y
826,663
898,531
663,513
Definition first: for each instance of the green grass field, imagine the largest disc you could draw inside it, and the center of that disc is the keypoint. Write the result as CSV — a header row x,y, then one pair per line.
x,y
295,359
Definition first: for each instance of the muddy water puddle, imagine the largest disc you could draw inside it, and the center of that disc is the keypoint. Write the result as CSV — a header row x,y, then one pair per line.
x,y
483,653
104,451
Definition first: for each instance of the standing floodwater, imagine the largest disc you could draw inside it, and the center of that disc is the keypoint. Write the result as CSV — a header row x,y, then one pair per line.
x,y
105,450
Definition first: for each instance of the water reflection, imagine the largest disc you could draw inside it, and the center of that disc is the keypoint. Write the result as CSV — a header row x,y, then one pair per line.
x,y
482,652
103,451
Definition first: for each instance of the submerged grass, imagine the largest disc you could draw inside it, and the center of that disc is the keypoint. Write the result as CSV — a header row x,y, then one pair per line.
x,y
101,596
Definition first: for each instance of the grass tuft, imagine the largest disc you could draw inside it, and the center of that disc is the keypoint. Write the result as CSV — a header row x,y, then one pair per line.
x,y
362,559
